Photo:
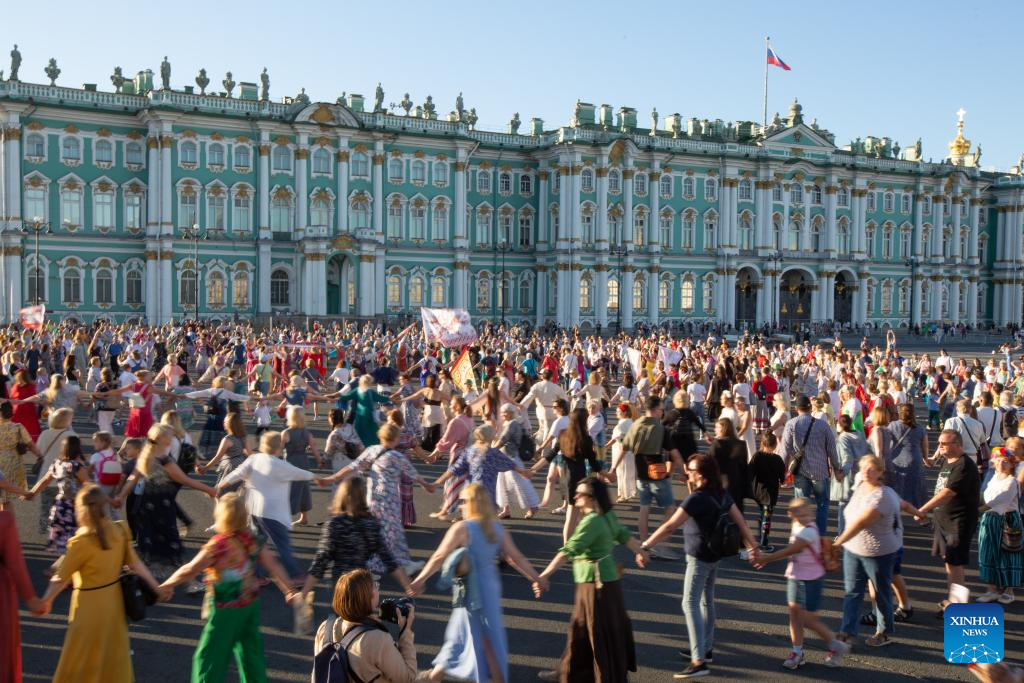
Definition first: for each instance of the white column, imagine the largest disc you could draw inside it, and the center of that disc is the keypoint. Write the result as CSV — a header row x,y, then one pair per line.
x,y
972,240
652,291
763,219
461,229
264,192
972,301
830,299
342,169
541,289
543,239
601,219
301,189
654,224
784,237
829,238
602,290
936,294
805,229
954,299
920,249
729,296
13,264
955,211
153,197
12,171
857,195
366,297
166,189
459,285
916,303
379,288
938,224
263,281
152,284
626,292
166,283
378,191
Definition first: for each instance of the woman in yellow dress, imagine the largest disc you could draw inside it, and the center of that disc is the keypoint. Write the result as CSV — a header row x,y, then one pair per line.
x,y
96,648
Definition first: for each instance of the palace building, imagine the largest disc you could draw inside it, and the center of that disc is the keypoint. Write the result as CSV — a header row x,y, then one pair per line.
x,y
160,203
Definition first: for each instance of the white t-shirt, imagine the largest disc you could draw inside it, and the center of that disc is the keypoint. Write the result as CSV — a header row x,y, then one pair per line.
x,y
557,427
696,392
126,379
269,485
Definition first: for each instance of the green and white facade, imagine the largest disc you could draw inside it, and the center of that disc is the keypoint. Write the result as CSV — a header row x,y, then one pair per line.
x,y
330,209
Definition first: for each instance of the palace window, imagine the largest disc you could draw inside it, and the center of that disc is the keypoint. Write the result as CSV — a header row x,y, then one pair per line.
x,y
615,227
816,229
215,286
708,294
946,203
843,230
215,155
483,182
241,217
664,295
869,235
526,229
816,195
796,193
322,162
556,182
843,197
587,180
982,246
505,227
886,297
440,174
869,295
526,185
927,205
746,232
525,294
710,228
585,297
71,207
240,290
188,289
689,221
216,208
505,184
905,202
710,189
686,294
72,286
872,202
360,213
188,209
483,293
242,157
640,184
777,232
133,287
102,210
688,185
320,212
614,181
280,286
104,286
71,150
904,297
639,228
793,240
588,227
281,214
887,202
745,192
188,154
133,212
439,224
418,222
35,285
104,152
282,159
394,291
418,172
906,237
438,290
613,294
887,243
35,146
360,165
35,203
665,185
638,295
416,291
777,192
483,226
395,215
665,230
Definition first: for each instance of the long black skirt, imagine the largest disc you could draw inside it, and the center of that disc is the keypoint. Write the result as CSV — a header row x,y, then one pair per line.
x,y
600,645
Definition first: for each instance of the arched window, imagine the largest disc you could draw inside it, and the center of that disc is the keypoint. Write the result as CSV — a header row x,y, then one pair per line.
x,y
320,212
104,152
904,297
416,290
102,210
396,215
556,182
188,207
322,162
710,230
686,294
664,295
906,240
843,197
35,289
394,291
242,157
360,213
439,222
614,181
505,183
816,234
241,211
360,165
133,211
71,206
777,232
216,209
745,192
525,294
927,204
816,194
688,185
869,295
615,227
793,239
872,201
280,288
104,286
418,221
188,289
665,229
395,169
526,185
886,297
483,293
418,172
585,294
796,193
888,202
240,289
746,232
613,294
215,284
215,155
438,291
483,225
710,189
587,180
638,294
689,224
665,185
441,174
869,235
282,159
639,227
72,286
505,226
526,228
133,287
483,181
640,184
35,146
944,300
777,192
188,153
71,150
281,214
905,202
843,231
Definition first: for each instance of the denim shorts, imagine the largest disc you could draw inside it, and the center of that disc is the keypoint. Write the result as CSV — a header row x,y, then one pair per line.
x,y
806,594
659,491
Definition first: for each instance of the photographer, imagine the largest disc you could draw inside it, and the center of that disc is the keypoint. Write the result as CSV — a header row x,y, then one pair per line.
x,y
372,653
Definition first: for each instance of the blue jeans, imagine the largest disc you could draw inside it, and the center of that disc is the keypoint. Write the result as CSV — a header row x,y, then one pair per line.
x,y
840,518
803,487
857,571
278,534
699,605
698,408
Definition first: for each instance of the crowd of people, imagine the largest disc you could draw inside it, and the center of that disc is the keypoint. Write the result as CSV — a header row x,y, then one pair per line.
x,y
603,421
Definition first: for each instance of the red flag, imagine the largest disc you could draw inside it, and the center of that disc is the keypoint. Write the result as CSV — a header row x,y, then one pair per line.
x,y
33,317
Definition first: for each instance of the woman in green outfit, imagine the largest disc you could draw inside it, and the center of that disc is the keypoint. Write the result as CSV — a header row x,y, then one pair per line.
x,y
600,641
232,604
364,403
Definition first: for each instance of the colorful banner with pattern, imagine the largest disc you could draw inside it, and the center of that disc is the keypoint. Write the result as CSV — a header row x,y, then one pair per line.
x,y
452,327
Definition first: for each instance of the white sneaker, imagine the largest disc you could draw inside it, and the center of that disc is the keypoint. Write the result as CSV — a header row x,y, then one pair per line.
x,y
1006,599
745,555
794,661
835,655
990,596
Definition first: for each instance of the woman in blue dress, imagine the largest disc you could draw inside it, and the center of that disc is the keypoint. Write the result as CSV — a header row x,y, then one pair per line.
x,y
364,403
475,645
480,463
904,461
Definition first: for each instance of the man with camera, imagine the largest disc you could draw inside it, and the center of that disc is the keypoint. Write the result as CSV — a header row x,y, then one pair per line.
x,y
359,635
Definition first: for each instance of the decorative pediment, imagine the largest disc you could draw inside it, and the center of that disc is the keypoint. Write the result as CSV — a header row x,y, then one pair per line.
x,y
801,137
327,115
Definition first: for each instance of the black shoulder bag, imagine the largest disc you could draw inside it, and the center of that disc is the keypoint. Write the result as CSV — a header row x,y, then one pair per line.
x,y
797,460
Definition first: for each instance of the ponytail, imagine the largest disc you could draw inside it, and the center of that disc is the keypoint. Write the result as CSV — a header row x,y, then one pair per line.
x,y
91,510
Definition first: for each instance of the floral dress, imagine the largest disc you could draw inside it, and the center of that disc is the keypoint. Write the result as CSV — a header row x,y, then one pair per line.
x,y
158,540
12,467
63,523
384,469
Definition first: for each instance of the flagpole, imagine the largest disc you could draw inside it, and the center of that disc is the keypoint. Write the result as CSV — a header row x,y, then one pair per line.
x,y
764,120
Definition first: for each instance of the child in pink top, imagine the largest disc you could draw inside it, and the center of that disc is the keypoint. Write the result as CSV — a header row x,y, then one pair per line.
x,y
805,573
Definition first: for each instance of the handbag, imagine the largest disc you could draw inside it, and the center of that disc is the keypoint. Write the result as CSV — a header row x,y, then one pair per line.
x,y
1011,539
135,593
829,556
797,460
657,471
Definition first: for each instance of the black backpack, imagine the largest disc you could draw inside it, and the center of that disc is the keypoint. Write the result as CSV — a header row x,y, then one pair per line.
x,y
331,664
527,447
1010,422
723,537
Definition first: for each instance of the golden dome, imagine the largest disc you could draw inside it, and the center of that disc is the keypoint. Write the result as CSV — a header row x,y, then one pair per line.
x,y
959,146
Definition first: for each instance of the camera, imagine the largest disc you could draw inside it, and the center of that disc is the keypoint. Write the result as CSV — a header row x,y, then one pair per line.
x,y
390,608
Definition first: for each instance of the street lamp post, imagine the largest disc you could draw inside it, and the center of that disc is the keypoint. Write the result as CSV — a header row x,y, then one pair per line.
x,y
193,234
38,226
775,258
504,247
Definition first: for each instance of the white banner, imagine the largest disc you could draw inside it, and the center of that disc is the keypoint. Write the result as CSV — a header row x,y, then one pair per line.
x,y
635,362
452,327
669,356
33,317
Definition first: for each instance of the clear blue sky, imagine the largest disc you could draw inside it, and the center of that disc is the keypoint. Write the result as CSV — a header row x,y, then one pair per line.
x,y
896,68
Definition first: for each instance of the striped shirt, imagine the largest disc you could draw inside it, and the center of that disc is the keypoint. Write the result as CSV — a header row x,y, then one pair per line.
x,y
820,449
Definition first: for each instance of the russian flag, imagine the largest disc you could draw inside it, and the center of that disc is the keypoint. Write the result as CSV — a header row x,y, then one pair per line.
x,y
774,60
